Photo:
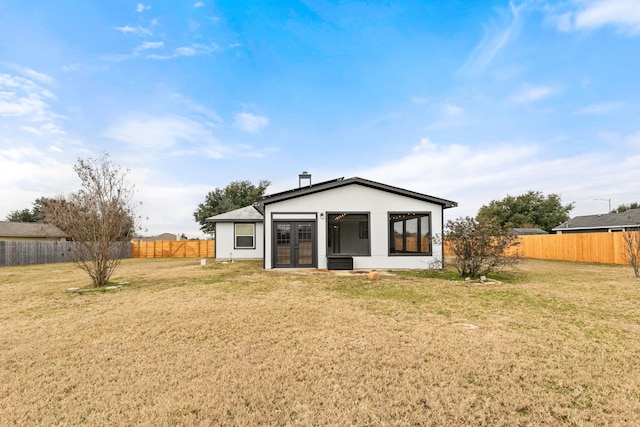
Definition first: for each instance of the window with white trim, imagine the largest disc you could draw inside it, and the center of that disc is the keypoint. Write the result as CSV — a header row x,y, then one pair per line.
x,y
245,236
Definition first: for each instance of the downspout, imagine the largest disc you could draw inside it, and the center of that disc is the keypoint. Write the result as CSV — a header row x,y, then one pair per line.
x,y
442,234
264,237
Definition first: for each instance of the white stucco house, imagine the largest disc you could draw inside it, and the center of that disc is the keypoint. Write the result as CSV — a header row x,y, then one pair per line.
x,y
348,224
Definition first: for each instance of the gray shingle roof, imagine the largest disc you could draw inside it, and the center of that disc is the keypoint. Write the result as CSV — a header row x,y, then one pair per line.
x,y
246,214
29,230
527,231
340,182
630,218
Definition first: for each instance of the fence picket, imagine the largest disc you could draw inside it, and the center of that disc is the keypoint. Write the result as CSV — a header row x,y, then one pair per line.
x,y
173,249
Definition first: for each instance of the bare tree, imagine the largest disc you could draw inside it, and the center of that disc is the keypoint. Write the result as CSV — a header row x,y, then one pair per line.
x,y
480,246
100,217
632,246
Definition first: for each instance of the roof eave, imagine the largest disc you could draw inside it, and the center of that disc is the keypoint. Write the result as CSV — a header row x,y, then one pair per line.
x,y
340,182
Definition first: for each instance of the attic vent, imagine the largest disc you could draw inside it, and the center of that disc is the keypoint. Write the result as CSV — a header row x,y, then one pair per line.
x,y
304,176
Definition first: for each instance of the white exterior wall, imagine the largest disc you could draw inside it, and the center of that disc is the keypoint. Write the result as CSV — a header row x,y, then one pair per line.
x,y
225,242
358,198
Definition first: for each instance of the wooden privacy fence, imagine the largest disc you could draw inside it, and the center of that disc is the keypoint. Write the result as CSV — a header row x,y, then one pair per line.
x,y
607,248
173,249
24,252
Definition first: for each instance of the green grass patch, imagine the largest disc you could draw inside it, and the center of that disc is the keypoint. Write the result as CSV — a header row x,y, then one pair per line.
x,y
383,291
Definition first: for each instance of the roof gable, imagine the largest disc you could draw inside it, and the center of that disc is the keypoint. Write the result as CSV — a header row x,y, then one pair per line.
x,y
245,214
341,182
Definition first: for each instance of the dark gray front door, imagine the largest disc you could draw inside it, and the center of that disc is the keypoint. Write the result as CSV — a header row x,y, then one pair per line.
x,y
294,244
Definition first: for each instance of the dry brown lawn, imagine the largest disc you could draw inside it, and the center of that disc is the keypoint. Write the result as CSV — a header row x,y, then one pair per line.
x,y
231,344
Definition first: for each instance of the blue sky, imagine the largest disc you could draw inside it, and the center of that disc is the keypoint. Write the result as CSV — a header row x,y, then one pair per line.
x,y
464,100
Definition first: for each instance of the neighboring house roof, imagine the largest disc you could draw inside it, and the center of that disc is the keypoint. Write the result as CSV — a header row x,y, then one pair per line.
x,y
29,230
341,182
246,214
163,236
527,231
626,219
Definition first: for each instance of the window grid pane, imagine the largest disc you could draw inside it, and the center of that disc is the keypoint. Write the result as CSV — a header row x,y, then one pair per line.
x,y
283,244
411,234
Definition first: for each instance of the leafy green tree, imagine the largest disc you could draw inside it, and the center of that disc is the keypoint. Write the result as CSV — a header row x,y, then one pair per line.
x,y
29,215
623,207
529,210
479,246
23,215
236,195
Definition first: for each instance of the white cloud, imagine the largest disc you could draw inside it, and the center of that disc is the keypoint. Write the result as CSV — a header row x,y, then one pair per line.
x,y
251,123
528,93
193,50
185,51
198,4
624,15
141,7
26,99
33,74
419,100
29,173
425,145
475,175
377,121
453,110
600,108
496,36
160,133
126,29
149,45
173,135
451,116
199,109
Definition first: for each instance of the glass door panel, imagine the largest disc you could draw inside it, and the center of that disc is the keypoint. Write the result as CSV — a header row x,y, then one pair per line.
x,y
305,244
283,244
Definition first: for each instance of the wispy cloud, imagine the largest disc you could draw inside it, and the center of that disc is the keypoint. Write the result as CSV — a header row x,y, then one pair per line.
x,y
485,173
496,36
377,121
198,4
149,45
528,94
141,7
29,172
158,132
452,110
126,29
193,50
78,67
25,98
176,135
419,100
32,74
210,115
183,51
600,108
251,123
623,15
451,116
